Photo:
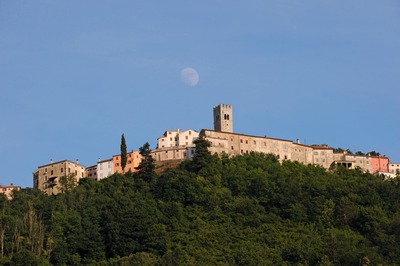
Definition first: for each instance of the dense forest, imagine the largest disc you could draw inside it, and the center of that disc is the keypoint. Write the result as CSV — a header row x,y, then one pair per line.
x,y
245,210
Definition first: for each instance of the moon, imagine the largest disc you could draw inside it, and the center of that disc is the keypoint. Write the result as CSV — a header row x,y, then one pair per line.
x,y
190,76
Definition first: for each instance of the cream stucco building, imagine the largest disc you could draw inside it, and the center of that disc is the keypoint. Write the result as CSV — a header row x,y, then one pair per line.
x,y
223,140
47,177
175,145
8,190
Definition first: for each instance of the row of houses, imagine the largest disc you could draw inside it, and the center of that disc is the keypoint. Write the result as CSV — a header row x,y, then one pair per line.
x,y
177,145
223,140
48,177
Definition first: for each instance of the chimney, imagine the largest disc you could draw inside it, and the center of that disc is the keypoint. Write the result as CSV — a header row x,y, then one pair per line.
x,y
77,161
298,141
12,184
51,160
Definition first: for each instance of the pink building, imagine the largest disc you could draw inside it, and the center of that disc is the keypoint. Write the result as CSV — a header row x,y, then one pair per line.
x,y
379,164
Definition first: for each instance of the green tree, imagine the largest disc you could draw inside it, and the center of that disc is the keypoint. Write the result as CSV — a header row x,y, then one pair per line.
x,y
147,166
202,157
67,183
123,153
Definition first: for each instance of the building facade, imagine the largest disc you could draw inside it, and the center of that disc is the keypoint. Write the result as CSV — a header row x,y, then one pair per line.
x,y
47,177
394,168
175,145
223,118
8,190
133,160
379,164
91,172
105,168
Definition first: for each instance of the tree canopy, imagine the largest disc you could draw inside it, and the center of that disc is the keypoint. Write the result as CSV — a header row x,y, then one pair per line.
x,y
246,210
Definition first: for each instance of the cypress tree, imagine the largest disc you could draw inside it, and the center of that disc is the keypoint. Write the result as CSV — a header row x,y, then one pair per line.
x,y
123,153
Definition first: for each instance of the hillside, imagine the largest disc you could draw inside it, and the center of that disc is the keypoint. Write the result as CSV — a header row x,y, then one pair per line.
x,y
246,210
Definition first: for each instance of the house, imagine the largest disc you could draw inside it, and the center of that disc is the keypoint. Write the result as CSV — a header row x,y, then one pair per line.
x,y
8,190
47,177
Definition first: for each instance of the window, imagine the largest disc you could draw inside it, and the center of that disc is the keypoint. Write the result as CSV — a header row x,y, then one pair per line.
x,y
231,147
231,139
170,139
247,142
322,153
285,157
315,153
241,151
69,170
187,137
62,169
265,144
52,172
316,160
241,141
190,132
45,170
254,142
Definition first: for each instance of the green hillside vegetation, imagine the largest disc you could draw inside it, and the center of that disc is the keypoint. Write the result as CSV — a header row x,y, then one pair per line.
x,y
246,210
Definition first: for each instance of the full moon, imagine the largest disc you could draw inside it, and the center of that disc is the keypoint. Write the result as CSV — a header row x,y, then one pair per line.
x,y
190,76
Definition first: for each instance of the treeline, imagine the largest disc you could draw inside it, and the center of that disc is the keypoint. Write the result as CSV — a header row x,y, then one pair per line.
x,y
246,210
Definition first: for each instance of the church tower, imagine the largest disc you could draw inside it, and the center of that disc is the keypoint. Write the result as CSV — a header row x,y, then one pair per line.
x,y
223,118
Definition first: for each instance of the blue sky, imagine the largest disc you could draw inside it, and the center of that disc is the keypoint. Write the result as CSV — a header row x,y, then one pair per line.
x,y
75,75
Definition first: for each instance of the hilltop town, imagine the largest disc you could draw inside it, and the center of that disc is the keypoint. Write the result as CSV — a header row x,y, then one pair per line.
x,y
175,146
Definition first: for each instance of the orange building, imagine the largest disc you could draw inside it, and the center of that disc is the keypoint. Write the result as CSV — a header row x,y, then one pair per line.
x,y
8,190
379,164
132,161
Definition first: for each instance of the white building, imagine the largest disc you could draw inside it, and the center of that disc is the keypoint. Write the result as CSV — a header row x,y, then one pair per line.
x,y
175,145
394,168
105,168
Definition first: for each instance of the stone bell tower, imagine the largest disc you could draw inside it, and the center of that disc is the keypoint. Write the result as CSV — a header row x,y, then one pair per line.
x,y
223,118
